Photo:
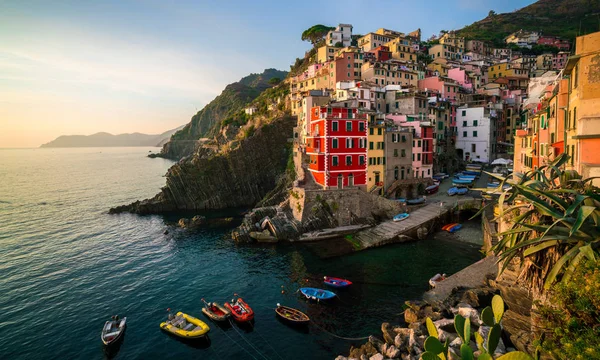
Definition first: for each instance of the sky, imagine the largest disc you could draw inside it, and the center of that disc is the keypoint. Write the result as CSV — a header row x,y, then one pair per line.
x,y
121,66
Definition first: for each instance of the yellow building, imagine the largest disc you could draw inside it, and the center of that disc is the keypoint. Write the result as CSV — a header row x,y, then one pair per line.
x,y
583,106
376,155
402,49
450,38
326,53
440,66
506,70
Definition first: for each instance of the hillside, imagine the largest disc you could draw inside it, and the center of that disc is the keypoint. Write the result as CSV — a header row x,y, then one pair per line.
x,y
206,123
562,18
103,139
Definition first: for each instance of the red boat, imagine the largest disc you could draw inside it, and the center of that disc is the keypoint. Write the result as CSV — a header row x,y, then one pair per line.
x,y
337,282
240,311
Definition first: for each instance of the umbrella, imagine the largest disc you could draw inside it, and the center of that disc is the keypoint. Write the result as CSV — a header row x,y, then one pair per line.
x,y
502,162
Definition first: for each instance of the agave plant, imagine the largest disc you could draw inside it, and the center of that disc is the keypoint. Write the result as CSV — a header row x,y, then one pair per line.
x,y
554,218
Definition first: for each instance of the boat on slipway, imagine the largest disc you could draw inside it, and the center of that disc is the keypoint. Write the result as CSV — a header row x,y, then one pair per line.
x,y
401,217
432,189
415,201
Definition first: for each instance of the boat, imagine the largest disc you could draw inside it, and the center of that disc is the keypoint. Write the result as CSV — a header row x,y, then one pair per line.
x,y
337,282
462,191
452,191
402,200
415,201
465,177
447,226
432,189
185,326
401,217
263,236
472,172
317,294
478,166
461,182
113,330
441,176
215,311
454,228
436,279
291,315
240,310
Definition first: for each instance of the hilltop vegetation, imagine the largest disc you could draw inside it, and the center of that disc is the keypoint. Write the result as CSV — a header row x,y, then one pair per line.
x,y
563,18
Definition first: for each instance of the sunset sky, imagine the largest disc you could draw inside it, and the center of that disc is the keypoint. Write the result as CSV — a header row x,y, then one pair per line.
x,y
80,67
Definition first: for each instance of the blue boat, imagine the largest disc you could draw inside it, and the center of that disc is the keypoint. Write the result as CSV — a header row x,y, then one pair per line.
x,y
402,200
470,178
461,182
415,201
317,294
452,191
462,191
401,217
455,228
440,176
472,173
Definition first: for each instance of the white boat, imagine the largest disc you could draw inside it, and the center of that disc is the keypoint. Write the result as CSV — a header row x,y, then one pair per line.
x,y
436,279
113,330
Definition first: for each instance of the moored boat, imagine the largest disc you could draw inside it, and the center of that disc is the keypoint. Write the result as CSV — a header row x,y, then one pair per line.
x,y
113,330
452,191
185,326
401,217
402,200
415,201
317,294
472,172
441,176
240,310
432,189
291,315
263,236
461,182
215,311
336,282
447,226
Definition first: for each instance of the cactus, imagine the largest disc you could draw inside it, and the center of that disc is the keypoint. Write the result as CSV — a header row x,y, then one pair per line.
x,y
432,345
463,328
498,308
466,353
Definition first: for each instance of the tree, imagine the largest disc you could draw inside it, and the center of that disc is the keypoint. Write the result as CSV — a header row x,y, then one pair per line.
x,y
274,81
315,33
492,13
554,219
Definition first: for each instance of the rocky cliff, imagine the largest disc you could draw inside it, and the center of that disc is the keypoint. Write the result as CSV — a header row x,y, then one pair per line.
x,y
206,123
239,176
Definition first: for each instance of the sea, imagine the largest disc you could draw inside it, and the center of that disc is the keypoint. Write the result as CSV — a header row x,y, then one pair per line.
x,y
67,266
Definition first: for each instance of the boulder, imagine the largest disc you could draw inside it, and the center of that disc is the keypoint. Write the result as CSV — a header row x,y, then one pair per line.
x,y
466,311
411,316
367,350
388,333
183,222
194,222
376,357
445,325
392,352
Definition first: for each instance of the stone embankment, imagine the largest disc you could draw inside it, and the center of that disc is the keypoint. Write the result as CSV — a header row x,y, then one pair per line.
x,y
466,293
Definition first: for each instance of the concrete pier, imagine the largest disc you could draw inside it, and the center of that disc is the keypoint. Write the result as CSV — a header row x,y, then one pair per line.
x,y
389,232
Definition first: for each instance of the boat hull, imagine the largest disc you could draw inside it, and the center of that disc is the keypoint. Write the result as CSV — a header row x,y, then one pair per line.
x,y
292,316
401,217
240,311
415,201
109,340
317,294
216,312
337,282
200,330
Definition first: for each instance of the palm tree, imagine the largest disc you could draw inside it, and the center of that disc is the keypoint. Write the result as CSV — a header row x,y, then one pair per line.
x,y
554,222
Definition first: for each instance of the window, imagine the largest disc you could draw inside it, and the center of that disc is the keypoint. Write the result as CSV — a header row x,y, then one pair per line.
x,y
361,126
348,160
473,148
413,157
474,122
361,160
419,157
396,173
474,133
334,143
349,143
334,126
370,131
403,153
403,138
378,161
574,117
419,143
334,160
464,134
379,131
370,145
348,125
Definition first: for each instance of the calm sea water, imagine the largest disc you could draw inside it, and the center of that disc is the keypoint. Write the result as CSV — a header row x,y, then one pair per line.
x,y
66,266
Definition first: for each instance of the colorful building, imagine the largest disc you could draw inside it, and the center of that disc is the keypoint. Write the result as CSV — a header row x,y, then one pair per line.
x,y
476,133
337,146
446,87
341,35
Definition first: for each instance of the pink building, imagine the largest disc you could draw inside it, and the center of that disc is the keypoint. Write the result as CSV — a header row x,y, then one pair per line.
x,y
460,76
446,87
559,60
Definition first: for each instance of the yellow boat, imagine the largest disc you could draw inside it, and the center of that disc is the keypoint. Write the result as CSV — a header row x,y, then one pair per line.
x,y
185,326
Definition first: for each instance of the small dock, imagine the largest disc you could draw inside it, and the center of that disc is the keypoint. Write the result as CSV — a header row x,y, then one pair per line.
x,y
389,232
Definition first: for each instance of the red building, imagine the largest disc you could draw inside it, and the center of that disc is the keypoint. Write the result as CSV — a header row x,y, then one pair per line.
x,y
554,41
337,145
382,53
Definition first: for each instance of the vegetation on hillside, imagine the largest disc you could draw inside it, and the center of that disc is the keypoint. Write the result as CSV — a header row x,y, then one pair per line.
x,y
564,18
316,33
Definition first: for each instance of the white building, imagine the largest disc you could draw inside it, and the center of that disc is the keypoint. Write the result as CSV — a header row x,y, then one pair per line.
x,y
341,34
476,139
250,110
314,98
352,91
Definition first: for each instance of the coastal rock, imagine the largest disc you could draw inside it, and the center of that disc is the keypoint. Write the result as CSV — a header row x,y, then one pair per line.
x,y
410,316
388,333
194,222
365,351
445,325
240,177
376,357
467,311
391,351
